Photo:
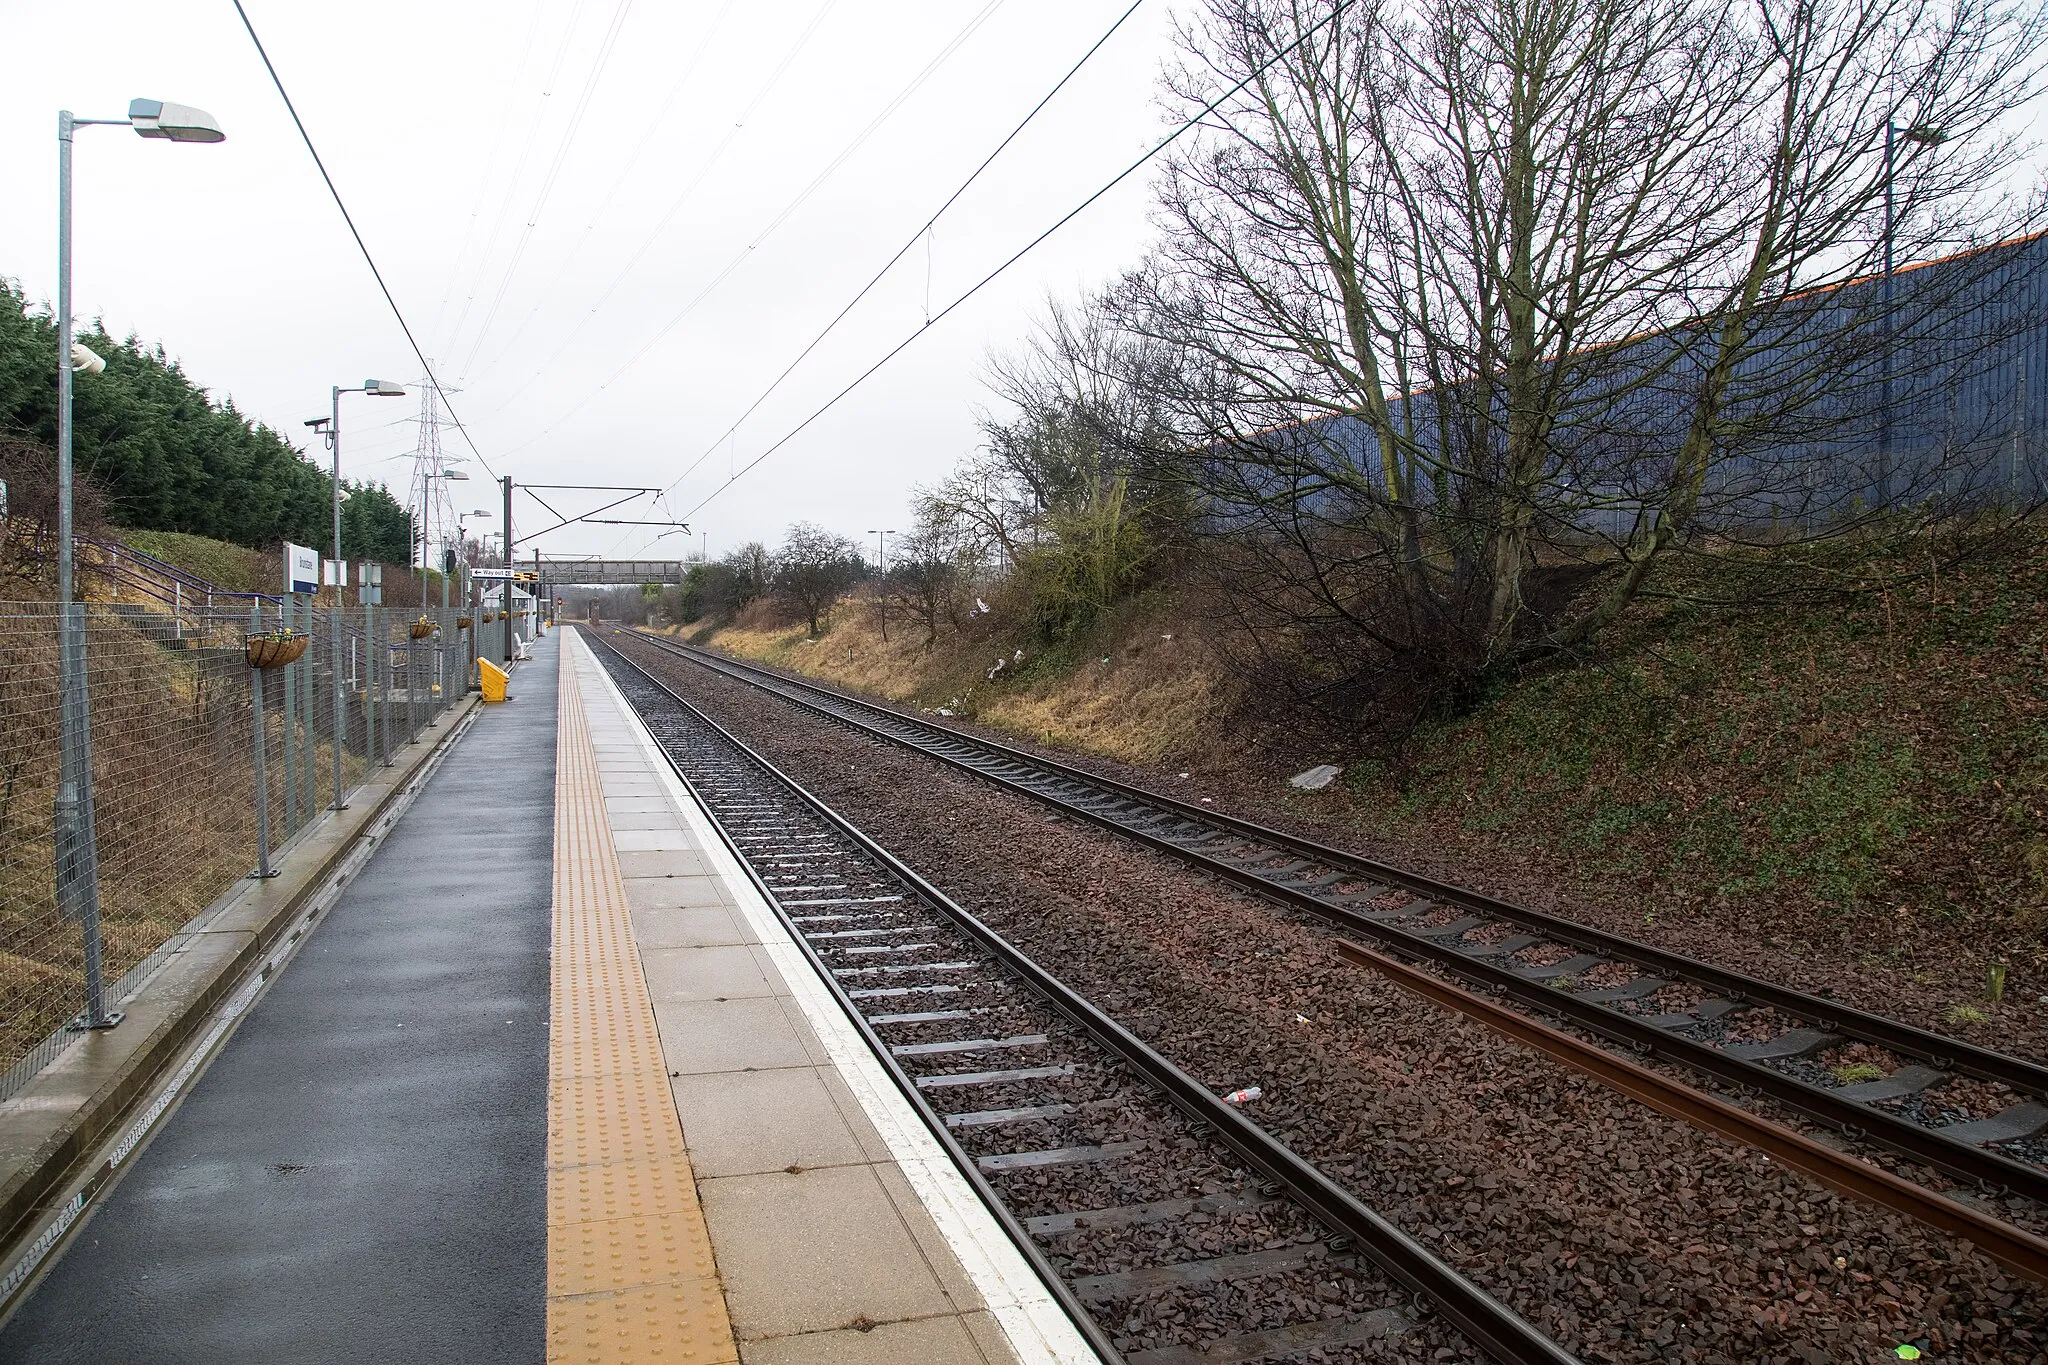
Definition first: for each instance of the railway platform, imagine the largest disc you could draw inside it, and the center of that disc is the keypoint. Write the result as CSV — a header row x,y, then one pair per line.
x,y
550,1081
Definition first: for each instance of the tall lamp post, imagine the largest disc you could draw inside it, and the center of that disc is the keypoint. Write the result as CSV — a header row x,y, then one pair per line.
x,y
76,844
882,570
1925,135
330,427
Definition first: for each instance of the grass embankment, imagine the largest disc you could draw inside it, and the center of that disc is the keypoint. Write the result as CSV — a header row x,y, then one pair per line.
x,y
1886,752
236,568
1865,780
1137,689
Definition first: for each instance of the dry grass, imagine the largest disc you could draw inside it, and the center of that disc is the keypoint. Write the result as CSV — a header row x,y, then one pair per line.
x,y
173,805
1142,688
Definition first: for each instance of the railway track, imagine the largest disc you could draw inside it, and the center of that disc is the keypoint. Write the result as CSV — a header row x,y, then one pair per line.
x,y
1176,1230
1753,1035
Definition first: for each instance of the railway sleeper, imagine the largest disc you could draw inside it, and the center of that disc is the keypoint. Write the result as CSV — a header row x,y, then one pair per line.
x,y
1060,1156
1247,1347
1130,1284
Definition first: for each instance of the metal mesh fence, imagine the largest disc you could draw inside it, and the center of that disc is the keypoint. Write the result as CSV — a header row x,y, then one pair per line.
x,y
177,799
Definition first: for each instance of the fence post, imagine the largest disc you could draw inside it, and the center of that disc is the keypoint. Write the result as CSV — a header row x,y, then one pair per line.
x,y
371,753
412,686
262,767
286,611
76,843
311,775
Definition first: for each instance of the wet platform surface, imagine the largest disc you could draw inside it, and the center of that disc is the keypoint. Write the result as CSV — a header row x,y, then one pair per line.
x,y
549,1082
355,1177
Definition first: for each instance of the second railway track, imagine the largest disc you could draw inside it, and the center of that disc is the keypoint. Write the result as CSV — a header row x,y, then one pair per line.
x,y
1758,1037
1181,1232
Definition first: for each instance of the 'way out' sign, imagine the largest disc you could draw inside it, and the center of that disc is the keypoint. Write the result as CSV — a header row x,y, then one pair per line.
x,y
301,568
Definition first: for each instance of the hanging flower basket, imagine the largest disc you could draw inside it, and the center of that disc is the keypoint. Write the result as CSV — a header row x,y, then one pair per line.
x,y
274,648
463,623
422,628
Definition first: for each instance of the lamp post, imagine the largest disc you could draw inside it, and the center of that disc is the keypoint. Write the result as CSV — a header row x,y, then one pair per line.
x,y
882,570
1925,135
75,843
377,388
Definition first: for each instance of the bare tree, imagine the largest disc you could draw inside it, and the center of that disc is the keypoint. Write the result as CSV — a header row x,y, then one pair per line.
x,y
924,580
1482,304
813,569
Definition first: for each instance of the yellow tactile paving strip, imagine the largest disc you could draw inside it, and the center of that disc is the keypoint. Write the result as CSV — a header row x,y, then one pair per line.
x,y
630,1272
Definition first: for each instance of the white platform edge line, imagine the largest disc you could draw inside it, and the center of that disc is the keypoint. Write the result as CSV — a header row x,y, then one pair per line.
x,y
1036,1327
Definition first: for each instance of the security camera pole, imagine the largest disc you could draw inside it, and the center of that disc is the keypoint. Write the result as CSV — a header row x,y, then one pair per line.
x,y
76,844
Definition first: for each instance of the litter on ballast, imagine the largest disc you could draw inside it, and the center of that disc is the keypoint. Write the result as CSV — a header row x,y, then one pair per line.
x,y
1316,778
1244,1096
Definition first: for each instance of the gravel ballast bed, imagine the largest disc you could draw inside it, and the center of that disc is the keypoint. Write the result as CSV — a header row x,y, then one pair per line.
x,y
1625,1235
1924,970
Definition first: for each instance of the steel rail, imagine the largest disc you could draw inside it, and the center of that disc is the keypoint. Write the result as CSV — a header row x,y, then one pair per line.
x,y
1499,1330
1839,1171
1993,1171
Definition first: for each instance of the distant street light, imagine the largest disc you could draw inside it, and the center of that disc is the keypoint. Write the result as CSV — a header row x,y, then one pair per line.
x,y
76,844
882,571
330,427
1925,135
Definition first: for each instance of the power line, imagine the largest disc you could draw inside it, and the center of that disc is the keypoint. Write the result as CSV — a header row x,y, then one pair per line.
x,y
606,46
540,110
483,183
804,194
1023,251
654,127
740,258
923,233
425,366
675,207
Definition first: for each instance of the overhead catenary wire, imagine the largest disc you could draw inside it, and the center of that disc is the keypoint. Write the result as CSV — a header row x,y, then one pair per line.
x,y
740,258
1126,173
654,127
426,366
606,46
924,234
675,206
483,184
540,109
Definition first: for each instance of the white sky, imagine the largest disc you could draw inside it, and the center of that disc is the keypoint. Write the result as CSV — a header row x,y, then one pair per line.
x,y
433,122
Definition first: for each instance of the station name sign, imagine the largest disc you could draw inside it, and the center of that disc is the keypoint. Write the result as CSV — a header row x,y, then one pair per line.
x,y
301,568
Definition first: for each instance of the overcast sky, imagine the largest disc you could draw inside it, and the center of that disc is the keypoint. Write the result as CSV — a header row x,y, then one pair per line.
x,y
554,188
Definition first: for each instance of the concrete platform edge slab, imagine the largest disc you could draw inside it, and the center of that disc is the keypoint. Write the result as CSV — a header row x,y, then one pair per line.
x,y
1034,1326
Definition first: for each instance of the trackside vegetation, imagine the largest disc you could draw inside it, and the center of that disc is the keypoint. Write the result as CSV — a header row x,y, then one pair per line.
x,y
167,457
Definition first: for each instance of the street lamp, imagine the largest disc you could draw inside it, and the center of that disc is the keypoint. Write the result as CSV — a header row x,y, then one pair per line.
x,y
75,843
1924,135
882,570
376,388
